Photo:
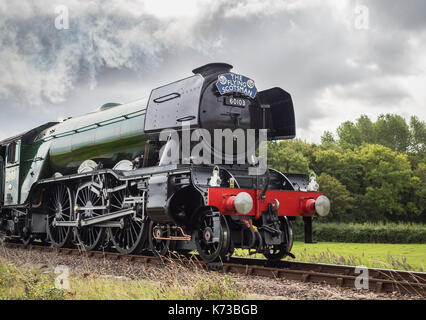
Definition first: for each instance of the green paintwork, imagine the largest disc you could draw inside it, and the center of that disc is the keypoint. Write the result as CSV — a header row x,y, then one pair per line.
x,y
11,194
106,136
1,178
34,166
29,165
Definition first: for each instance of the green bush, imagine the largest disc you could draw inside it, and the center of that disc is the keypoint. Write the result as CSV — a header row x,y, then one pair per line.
x,y
364,233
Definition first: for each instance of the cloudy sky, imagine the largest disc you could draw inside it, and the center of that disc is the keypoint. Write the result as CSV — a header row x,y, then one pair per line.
x,y
338,58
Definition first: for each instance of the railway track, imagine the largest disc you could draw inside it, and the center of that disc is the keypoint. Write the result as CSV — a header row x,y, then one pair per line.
x,y
379,280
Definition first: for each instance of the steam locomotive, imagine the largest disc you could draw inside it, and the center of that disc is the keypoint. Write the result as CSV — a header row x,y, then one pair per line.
x,y
122,176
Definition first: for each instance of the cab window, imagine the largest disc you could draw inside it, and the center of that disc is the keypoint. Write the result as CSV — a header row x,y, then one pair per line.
x,y
11,153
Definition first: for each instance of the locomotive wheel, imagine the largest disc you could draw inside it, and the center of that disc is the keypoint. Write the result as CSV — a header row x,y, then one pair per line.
x,y
27,239
90,237
60,208
42,239
209,248
277,252
160,247
131,238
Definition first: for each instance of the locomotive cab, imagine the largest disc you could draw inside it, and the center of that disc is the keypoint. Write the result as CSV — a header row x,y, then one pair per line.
x,y
2,153
10,172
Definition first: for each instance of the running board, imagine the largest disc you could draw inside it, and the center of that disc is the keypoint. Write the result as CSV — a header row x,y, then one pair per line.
x,y
94,220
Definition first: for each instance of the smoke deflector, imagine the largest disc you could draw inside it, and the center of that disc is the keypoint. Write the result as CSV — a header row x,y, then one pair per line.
x,y
278,115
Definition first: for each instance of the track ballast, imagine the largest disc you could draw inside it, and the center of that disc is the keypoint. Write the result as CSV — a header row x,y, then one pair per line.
x,y
379,280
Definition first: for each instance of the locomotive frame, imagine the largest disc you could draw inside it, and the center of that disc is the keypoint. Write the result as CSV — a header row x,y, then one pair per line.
x,y
95,181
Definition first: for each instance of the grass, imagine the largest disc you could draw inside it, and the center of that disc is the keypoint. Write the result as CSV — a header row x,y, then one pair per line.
x,y
96,288
411,257
18,283
22,284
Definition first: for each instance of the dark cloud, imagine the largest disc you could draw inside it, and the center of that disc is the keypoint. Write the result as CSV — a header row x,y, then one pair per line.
x,y
118,52
393,14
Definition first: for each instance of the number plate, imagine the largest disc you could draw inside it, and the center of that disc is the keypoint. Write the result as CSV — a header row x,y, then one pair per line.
x,y
236,102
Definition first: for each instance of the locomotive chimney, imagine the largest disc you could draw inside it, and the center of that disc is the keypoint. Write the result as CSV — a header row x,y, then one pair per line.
x,y
212,68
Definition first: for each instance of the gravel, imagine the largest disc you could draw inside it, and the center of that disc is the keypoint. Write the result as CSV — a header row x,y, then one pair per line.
x,y
254,287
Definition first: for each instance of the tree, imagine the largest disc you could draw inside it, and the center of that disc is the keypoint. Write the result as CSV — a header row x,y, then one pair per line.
x,y
418,135
340,198
378,178
328,139
417,148
366,129
376,170
417,195
328,161
389,130
385,180
392,131
287,156
349,135
354,134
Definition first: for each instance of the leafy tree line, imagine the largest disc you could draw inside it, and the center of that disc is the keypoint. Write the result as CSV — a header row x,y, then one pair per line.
x,y
371,171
